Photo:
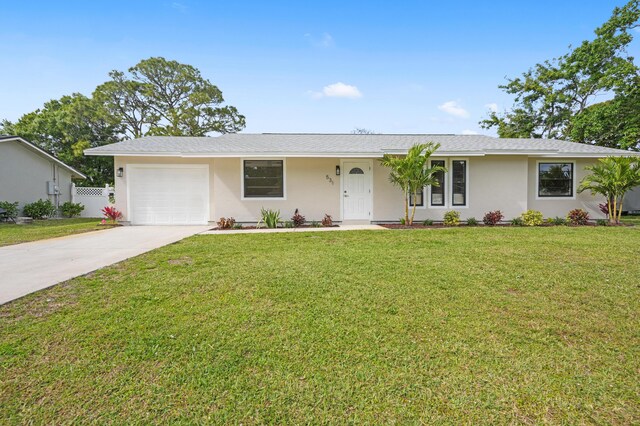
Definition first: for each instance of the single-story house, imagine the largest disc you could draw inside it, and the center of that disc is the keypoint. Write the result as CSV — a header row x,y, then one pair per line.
x,y
196,180
28,174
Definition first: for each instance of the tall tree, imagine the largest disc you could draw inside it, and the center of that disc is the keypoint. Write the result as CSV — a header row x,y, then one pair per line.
x,y
66,127
162,97
558,98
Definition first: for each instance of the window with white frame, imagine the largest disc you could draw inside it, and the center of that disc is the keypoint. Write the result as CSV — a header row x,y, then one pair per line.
x,y
263,178
419,199
438,193
555,179
458,183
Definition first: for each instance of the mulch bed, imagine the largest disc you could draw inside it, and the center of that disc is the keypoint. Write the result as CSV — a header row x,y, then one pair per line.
x,y
247,227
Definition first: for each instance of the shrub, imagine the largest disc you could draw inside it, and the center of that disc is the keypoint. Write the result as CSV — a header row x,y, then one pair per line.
x,y
316,224
327,220
578,217
557,221
602,222
604,208
402,221
226,223
236,226
271,218
517,221
112,213
288,224
10,208
492,218
70,209
297,219
41,209
452,218
472,221
532,218
427,222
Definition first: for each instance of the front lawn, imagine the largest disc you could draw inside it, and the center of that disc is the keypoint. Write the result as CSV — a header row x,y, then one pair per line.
x,y
462,326
43,229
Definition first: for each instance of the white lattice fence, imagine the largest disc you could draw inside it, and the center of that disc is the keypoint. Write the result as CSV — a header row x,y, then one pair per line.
x,y
94,199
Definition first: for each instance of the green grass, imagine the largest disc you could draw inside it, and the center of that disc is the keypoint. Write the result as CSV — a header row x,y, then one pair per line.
x,y
458,326
42,229
631,220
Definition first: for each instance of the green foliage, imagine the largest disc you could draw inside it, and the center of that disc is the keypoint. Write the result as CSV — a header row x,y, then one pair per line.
x,y
65,127
11,208
561,98
270,218
411,173
237,226
578,217
41,209
452,218
612,177
315,224
472,221
517,221
289,224
602,222
69,209
162,97
427,222
403,221
532,218
557,221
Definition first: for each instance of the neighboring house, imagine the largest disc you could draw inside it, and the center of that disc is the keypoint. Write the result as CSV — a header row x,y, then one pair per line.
x,y
27,173
195,180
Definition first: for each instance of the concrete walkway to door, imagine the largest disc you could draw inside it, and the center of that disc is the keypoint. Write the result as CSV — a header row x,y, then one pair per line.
x,y
29,267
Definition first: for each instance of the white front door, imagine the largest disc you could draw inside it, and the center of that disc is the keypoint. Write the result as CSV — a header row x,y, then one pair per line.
x,y
356,190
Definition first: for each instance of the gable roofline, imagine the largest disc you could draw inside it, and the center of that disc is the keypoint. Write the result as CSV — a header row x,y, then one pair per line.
x,y
9,138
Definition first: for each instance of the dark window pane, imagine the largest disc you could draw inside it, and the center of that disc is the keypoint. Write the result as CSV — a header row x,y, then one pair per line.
x,y
356,171
555,179
437,192
419,200
263,178
459,183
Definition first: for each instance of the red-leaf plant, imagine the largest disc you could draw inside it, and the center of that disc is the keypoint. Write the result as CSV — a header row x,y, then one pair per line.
x,y
112,213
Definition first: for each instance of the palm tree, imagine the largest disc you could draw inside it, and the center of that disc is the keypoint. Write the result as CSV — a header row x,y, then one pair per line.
x,y
411,173
612,177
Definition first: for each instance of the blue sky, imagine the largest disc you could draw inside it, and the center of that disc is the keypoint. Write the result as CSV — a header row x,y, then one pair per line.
x,y
330,66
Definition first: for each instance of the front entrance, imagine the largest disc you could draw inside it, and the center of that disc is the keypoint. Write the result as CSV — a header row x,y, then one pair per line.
x,y
356,190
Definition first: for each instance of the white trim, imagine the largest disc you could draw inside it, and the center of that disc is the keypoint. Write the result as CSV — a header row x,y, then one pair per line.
x,y
574,181
466,183
284,179
129,167
341,195
446,186
40,151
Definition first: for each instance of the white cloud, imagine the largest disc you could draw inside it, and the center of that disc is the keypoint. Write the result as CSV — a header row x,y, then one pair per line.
x,y
452,108
493,107
337,90
469,132
324,41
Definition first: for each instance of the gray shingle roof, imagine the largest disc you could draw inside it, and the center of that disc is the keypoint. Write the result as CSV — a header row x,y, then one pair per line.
x,y
335,145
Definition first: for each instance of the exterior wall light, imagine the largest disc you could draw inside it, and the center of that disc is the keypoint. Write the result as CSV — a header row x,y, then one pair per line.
x,y
337,170
120,172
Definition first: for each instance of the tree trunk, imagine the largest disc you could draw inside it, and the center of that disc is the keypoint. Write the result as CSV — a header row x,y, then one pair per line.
x,y
620,211
413,208
611,216
406,207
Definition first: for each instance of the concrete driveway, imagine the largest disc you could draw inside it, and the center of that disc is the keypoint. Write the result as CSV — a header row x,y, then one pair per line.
x,y
29,267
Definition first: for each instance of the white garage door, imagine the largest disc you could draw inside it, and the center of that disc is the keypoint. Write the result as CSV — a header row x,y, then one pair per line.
x,y
168,195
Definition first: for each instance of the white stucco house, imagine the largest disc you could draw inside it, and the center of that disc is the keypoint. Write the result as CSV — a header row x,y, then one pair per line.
x,y
196,180
28,174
